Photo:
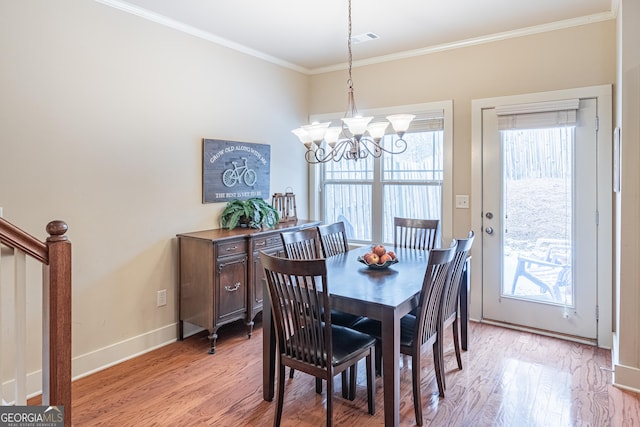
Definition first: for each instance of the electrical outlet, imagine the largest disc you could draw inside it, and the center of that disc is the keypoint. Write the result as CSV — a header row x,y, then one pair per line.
x,y
161,298
462,201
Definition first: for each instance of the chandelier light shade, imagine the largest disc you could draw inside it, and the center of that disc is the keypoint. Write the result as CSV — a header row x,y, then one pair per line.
x,y
356,137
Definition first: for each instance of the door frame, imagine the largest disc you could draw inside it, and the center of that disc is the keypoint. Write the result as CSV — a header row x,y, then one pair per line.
x,y
603,94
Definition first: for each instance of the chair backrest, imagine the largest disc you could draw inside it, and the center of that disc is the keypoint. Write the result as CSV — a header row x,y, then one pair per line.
x,y
298,293
302,244
450,306
433,288
333,239
416,233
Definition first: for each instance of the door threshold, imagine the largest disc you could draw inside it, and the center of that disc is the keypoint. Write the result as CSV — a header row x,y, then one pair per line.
x,y
566,337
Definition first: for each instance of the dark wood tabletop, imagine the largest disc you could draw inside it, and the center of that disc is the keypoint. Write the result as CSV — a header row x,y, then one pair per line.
x,y
353,283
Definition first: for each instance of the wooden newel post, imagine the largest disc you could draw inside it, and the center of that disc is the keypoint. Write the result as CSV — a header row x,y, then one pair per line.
x,y
57,320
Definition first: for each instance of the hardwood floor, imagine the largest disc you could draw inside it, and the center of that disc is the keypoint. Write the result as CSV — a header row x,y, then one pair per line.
x,y
510,378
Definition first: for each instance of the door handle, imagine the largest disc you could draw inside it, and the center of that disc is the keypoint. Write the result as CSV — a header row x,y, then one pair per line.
x,y
489,230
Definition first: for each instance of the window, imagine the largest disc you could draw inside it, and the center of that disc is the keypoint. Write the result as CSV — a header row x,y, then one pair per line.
x,y
367,194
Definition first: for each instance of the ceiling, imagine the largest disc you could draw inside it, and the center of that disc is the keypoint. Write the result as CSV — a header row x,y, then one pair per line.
x,y
311,36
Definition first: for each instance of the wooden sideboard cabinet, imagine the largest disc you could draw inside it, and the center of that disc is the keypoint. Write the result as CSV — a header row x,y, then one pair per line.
x,y
221,275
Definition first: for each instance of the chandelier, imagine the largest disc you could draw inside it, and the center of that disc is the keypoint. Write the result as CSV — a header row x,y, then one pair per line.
x,y
355,138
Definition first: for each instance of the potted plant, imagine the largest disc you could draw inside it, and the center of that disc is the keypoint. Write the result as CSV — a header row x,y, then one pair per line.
x,y
254,213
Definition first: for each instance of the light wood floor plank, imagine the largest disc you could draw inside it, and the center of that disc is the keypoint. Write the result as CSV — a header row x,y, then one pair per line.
x,y
510,378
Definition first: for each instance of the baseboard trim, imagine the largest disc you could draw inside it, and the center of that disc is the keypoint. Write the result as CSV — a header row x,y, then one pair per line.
x,y
626,377
113,354
97,360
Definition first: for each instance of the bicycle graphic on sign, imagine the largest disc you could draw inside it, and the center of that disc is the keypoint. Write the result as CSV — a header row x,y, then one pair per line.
x,y
236,173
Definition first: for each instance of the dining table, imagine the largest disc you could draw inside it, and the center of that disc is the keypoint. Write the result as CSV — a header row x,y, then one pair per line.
x,y
382,294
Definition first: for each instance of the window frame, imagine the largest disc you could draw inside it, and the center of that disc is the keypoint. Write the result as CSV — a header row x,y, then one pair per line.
x,y
315,187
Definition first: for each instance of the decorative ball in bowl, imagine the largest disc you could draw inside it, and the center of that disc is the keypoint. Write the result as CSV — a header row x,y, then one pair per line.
x,y
378,258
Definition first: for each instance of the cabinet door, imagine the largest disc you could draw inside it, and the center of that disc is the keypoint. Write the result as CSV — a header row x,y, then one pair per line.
x,y
232,291
258,278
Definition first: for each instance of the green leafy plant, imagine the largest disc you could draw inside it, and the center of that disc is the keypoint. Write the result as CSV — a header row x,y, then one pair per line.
x,y
255,212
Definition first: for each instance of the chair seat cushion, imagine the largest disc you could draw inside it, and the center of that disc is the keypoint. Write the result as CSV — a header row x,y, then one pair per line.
x,y
347,341
373,328
343,319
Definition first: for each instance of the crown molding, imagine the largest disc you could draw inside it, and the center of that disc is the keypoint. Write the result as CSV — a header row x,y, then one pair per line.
x,y
527,31
179,26
188,29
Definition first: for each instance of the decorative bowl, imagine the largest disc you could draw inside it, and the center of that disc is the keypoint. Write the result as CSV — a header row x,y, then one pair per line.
x,y
378,266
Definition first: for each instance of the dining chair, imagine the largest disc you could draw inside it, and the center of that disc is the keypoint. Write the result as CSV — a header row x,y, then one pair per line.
x,y
299,292
418,331
302,244
416,233
451,299
333,240
305,244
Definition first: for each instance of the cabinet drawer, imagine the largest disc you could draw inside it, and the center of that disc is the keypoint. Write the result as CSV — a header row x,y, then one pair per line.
x,y
262,243
231,247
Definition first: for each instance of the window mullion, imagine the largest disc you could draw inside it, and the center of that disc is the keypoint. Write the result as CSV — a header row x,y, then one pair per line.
x,y
377,208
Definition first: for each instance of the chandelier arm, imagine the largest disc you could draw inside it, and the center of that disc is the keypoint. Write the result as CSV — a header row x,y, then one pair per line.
x,y
323,154
311,156
376,149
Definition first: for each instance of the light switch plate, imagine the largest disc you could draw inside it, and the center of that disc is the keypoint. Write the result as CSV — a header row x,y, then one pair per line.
x,y
462,201
161,298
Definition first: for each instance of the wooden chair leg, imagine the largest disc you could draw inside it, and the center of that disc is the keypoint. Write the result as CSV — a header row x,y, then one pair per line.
x,y
371,382
437,359
345,384
456,342
280,397
291,371
417,395
353,374
438,363
318,385
330,401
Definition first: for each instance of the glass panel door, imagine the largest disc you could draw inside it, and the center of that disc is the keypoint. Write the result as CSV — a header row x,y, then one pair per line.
x,y
538,194
539,225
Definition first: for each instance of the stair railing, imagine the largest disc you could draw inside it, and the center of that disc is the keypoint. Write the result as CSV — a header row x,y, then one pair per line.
x,y
55,256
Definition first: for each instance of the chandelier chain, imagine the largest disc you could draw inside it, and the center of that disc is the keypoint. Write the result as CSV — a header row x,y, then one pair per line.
x,y
352,110
350,81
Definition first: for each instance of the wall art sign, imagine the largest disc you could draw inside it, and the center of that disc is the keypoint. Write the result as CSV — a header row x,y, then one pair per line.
x,y
234,170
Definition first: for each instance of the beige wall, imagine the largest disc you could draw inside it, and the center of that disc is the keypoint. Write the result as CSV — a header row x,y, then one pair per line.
x,y
575,57
102,115
101,119
626,352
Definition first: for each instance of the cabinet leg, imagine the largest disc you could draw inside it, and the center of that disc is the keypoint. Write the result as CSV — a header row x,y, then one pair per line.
x,y
250,328
180,330
213,337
